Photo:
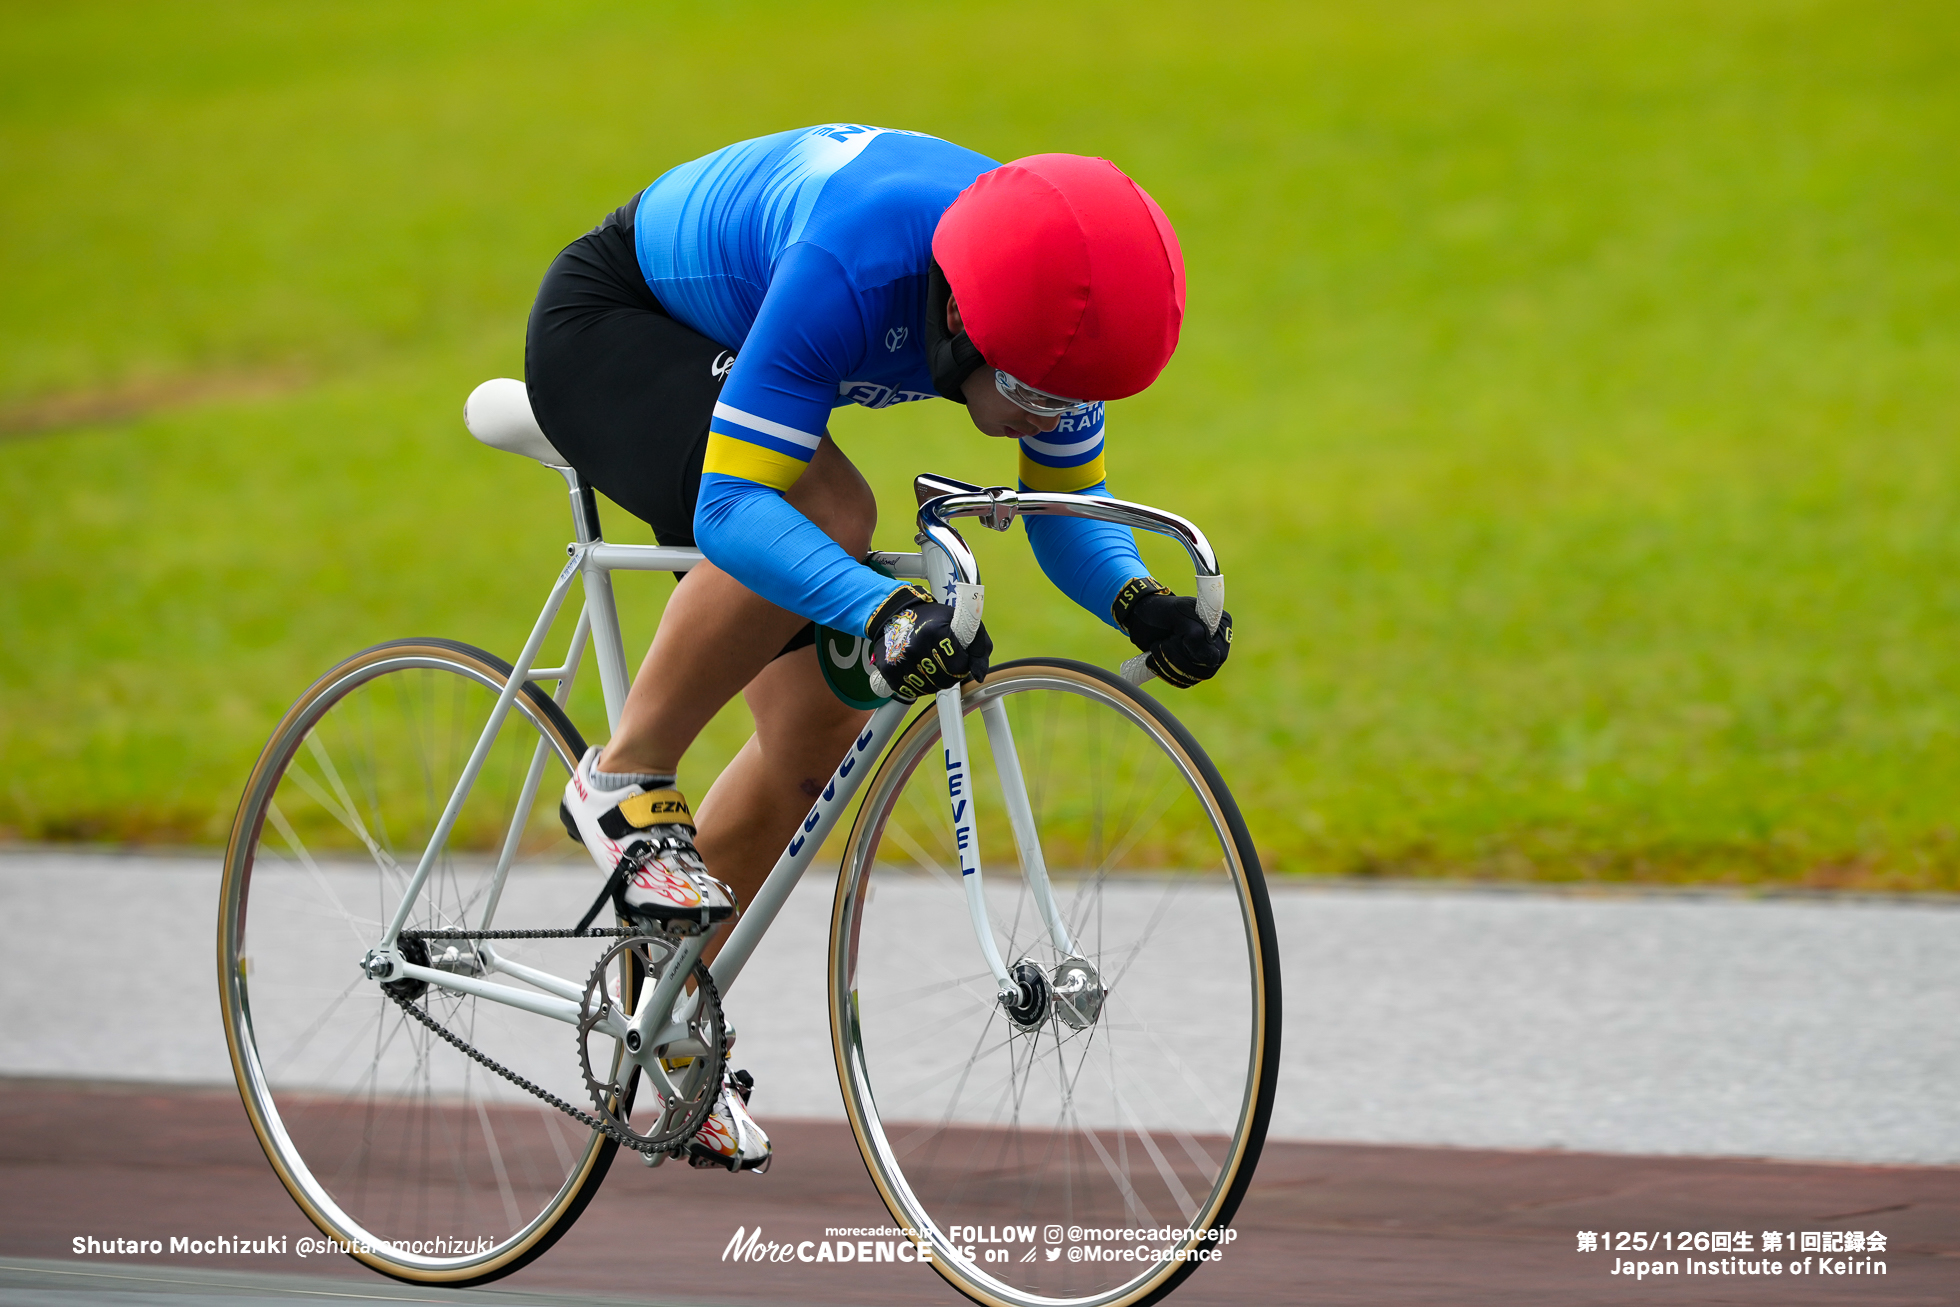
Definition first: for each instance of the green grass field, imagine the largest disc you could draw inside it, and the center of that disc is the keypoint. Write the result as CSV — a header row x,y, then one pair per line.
x,y
1572,390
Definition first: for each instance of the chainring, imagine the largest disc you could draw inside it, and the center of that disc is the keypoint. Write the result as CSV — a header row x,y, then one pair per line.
x,y
697,1083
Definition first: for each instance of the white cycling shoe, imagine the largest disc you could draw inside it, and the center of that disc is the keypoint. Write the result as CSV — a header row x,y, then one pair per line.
x,y
730,1139
644,841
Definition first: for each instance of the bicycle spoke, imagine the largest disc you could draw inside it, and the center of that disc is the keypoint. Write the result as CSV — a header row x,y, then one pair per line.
x,y
1133,1205
920,857
305,859
346,811
304,1040
497,1164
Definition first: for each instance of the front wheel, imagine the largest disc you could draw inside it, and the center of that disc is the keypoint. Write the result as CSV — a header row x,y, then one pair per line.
x,y
1087,1154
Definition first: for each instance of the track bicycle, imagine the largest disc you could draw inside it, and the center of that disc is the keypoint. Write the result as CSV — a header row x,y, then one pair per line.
x,y
441,1059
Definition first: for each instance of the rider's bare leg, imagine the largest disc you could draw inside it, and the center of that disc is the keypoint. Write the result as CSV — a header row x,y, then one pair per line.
x,y
801,730
716,637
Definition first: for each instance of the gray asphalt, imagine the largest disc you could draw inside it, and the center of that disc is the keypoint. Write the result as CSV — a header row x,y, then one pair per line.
x,y
1656,1024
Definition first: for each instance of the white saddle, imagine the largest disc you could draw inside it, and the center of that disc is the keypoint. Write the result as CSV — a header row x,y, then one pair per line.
x,y
498,413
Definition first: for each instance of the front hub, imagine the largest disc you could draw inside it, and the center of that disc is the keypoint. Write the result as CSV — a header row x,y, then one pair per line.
x,y
1079,992
1028,1006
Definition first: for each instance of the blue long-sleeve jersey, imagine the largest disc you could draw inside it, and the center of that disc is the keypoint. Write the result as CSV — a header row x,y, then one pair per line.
x,y
807,252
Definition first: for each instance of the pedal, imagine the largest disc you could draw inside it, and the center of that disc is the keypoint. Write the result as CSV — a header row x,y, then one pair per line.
x,y
571,827
703,1160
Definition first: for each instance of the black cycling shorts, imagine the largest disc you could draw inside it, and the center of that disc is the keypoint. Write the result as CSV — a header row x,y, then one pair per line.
x,y
623,390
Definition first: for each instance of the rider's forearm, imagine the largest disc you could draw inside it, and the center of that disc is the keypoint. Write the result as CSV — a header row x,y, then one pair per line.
x,y
751,532
1088,561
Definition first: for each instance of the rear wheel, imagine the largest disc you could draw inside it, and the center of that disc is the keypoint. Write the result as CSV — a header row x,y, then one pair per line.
x,y
1083,1155
423,1163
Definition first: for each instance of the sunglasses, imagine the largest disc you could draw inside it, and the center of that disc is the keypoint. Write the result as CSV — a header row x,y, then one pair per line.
x,y
1038,402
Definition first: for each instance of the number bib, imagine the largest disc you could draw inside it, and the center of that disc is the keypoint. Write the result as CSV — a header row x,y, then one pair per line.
x,y
846,662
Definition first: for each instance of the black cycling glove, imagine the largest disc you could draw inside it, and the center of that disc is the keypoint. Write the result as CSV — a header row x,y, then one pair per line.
x,y
1167,628
914,648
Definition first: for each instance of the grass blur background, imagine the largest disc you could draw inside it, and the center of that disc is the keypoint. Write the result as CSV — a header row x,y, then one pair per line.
x,y
1570,389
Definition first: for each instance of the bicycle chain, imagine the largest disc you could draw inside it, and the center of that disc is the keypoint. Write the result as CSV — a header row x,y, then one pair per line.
x,y
469,1050
597,932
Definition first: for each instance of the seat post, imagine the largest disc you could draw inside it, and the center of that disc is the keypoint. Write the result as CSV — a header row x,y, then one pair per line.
x,y
585,508
607,648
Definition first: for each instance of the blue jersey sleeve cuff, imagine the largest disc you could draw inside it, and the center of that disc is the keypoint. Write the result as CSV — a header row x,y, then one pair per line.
x,y
1088,561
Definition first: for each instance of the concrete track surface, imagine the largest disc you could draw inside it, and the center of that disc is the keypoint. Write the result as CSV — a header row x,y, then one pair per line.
x,y
1469,1079
1801,1029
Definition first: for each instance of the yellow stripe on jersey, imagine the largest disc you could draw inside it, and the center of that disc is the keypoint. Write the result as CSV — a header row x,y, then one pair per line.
x,y
738,458
1037,476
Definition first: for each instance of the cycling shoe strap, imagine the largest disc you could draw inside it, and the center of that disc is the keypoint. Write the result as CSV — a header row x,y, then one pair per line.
x,y
653,808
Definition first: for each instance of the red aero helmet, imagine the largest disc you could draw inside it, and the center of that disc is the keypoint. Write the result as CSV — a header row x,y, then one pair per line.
x,y
1067,275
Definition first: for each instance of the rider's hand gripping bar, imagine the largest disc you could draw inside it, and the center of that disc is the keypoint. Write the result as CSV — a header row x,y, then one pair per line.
x,y
953,572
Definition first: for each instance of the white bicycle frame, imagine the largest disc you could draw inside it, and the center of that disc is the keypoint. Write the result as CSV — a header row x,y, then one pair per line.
x,y
658,1026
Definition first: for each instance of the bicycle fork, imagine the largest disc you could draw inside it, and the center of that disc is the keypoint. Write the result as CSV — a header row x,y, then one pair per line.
x,y
1074,990
1014,790
1024,990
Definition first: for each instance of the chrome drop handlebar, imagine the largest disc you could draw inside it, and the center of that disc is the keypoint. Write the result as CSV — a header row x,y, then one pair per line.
x,y
998,506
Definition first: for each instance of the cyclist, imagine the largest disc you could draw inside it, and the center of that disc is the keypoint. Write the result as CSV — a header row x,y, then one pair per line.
x,y
684,356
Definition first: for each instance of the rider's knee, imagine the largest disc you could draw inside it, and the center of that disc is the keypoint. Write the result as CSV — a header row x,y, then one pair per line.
x,y
834,495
